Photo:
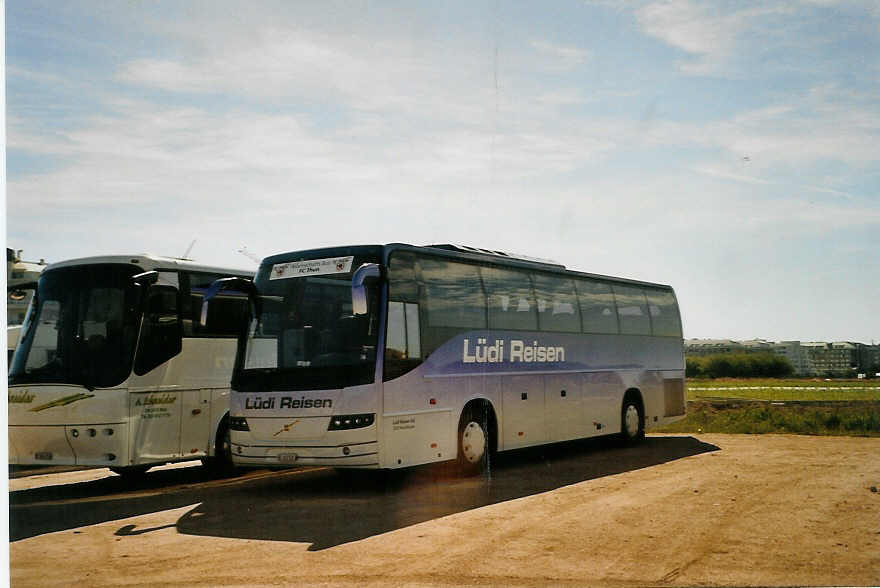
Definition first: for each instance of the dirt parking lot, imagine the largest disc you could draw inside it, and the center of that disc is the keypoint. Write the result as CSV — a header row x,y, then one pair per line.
x,y
678,510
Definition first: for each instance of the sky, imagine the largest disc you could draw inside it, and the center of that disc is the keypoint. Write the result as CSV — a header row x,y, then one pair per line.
x,y
730,149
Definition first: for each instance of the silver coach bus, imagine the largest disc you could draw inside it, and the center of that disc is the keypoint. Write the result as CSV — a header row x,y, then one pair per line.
x,y
389,356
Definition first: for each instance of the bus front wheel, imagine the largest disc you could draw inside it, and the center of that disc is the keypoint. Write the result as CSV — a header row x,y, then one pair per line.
x,y
473,443
221,463
632,418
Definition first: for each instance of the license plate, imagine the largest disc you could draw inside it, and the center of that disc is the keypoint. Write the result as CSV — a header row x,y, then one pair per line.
x,y
43,455
287,457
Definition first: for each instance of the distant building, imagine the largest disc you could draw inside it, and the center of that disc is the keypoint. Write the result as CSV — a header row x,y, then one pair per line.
x,y
869,359
795,354
712,346
832,358
814,358
757,346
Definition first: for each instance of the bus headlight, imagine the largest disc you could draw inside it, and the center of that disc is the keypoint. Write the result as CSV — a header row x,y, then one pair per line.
x,y
350,421
238,424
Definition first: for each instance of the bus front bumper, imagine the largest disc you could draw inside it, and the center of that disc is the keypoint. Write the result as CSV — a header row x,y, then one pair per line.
x,y
82,445
355,455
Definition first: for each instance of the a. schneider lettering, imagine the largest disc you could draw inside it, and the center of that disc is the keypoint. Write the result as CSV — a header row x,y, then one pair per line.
x,y
24,397
260,403
153,399
514,351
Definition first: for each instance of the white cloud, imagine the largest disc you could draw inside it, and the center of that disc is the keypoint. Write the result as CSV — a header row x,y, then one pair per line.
x,y
564,57
704,30
281,136
284,65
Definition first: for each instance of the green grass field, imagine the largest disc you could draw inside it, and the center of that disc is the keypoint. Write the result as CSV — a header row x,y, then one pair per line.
x,y
800,406
783,389
858,418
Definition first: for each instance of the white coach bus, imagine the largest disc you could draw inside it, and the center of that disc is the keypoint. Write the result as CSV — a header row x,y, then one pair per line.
x,y
115,369
390,356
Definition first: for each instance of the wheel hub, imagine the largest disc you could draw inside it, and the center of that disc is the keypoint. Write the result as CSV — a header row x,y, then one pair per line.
x,y
631,421
473,442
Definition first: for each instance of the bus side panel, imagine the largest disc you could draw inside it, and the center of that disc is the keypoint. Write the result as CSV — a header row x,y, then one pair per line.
x,y
40,446
564,407
155,426
522,401
421,417
154,408
672,402
651,387
173,407
195,422
418,438
40,430
60,404
603,398
207,376
204,363
104,445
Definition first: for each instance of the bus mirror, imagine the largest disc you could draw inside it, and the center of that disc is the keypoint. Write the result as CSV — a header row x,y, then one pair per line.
x,y
146,278
240,284
366,272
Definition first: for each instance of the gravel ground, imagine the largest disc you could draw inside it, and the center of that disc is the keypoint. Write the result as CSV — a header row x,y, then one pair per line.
x,y
744,510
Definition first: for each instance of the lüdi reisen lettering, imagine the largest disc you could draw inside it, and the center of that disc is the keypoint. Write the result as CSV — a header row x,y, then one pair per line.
x,y
287,402
513,351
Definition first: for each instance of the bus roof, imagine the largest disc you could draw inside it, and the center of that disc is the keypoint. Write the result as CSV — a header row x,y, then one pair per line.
x,y
451,251
150,262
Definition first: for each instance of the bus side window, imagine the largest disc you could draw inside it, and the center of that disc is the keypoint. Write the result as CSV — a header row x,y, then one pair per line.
x,y
665,320
452,301
226,313
403,344
632,309
160,334
598,310
511,299
403,341
557,304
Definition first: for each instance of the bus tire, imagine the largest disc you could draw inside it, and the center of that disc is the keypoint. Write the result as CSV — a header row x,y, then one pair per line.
x,y
632,419
131,472
221,462
473,441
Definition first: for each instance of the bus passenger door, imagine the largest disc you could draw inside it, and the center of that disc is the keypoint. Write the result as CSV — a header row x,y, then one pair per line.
x,y
155,397
195,422
564,411
523,411
155,418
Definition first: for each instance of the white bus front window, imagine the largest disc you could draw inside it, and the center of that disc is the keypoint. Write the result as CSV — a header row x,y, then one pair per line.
x,y
306,336
82,328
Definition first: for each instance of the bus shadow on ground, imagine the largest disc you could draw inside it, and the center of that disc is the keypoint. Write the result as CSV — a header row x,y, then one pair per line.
x,y
59,507
327,508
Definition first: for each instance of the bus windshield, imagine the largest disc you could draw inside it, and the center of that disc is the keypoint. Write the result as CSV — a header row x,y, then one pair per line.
x,y
307,338
81,328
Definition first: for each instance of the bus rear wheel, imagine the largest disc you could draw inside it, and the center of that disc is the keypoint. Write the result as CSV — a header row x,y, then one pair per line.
x,y
473,443
632,421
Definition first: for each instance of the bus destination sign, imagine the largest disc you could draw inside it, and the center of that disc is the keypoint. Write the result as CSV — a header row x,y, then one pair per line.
x,y
312,267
